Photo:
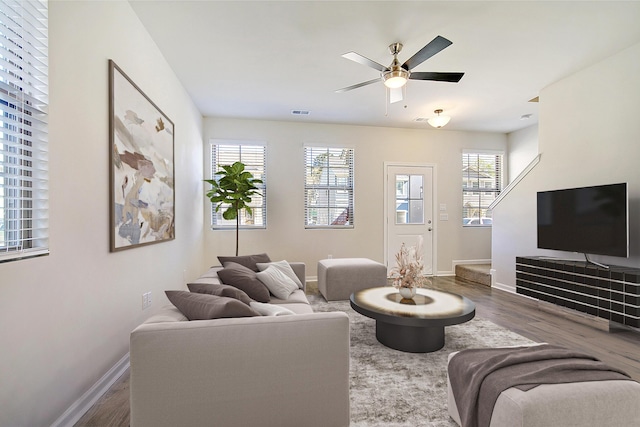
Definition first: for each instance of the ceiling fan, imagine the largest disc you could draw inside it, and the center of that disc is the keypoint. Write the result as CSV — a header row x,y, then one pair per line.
x,y
395,76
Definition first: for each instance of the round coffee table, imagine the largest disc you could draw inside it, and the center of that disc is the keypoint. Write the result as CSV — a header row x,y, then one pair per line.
x,y
415,325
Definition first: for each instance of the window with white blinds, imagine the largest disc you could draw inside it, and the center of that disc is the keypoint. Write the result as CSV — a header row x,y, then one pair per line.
x,y
328,187
23,129
254,157
481,185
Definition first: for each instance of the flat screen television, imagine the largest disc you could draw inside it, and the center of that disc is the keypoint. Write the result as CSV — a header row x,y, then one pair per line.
x,y
590,220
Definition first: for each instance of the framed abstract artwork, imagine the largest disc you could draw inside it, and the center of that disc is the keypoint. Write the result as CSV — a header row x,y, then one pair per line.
x,y
142,190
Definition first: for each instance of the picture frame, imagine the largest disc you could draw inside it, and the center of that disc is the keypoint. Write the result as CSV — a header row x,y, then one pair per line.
x,y
141,166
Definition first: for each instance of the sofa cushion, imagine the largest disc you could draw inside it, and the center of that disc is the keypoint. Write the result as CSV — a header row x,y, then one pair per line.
x,y
248,261
167,313
244,279
297,308
220,290
297,296
270,309
279,284
203,306
282,266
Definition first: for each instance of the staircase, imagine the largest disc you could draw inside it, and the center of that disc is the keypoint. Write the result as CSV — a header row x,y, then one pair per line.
x,y
477,273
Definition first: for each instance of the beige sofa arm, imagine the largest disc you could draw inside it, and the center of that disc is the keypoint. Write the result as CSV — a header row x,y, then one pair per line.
x,y
257,371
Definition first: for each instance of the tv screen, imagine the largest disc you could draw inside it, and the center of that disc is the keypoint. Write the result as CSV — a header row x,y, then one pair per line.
x,y
590,220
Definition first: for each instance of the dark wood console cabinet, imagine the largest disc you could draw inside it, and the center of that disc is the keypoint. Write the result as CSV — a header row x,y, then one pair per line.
x,y
612,294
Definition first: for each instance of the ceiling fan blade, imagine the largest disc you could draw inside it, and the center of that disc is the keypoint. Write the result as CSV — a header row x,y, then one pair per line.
x,y
438,77
356,57
395,95
345,89
433,47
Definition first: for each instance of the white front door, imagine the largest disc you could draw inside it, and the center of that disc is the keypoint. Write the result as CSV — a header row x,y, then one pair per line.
x,y
409,192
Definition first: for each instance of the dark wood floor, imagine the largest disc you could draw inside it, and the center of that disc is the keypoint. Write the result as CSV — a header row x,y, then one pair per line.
x,y
523,316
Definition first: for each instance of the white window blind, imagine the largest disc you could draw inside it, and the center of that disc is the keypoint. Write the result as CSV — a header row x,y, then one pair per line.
x,y
481,185
23,129
254,158
328,188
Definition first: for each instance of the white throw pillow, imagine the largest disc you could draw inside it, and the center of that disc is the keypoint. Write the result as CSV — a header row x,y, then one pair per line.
x,y
269,309
282,266
278,283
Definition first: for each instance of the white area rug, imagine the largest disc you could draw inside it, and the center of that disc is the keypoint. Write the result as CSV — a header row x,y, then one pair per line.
x,y
393,388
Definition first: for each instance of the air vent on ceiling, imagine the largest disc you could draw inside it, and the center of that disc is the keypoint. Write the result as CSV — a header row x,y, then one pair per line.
x,y
300,112
421,119
536,99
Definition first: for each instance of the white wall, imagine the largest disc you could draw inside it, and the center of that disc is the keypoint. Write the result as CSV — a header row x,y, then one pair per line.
x,y
286,237
522,149
66,317
588,135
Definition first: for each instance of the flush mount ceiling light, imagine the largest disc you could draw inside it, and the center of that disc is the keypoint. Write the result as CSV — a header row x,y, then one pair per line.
x,y
438,121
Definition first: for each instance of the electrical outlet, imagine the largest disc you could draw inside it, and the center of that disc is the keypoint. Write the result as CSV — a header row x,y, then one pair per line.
x,y
146,300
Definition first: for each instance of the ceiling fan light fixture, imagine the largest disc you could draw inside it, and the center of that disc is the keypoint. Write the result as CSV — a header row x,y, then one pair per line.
x,y
394,79
438,121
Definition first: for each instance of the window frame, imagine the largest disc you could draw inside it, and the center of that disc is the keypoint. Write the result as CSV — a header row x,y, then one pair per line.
x,y
481,189
24,99
262,188
347,188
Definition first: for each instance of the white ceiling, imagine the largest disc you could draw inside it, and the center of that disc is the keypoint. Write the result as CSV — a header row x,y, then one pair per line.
x,y
262,59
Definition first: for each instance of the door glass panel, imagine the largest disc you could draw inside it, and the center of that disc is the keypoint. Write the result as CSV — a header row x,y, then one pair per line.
x,y
409,199
416,212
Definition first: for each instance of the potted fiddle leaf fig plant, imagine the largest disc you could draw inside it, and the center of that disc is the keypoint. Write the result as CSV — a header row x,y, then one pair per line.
x,y
232,191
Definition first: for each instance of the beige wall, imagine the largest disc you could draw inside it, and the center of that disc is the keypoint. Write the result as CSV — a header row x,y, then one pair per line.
x,y
66,317
588,135
286,237
522,148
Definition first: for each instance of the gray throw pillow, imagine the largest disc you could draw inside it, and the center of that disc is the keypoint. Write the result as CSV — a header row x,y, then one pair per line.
x,y
244,279
202,306
248,261
220,291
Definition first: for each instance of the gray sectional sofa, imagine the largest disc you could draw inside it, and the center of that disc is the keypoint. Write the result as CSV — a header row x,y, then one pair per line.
x,y
265,370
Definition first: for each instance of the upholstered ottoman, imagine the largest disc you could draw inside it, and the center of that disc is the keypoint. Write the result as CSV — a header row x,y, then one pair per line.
x,y
580,404
338,278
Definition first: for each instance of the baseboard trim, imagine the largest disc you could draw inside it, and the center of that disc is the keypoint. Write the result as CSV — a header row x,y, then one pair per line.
x,y
445,273
91,396
503,287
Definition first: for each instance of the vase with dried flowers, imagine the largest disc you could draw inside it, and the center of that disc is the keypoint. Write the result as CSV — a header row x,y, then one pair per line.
x,y
408,274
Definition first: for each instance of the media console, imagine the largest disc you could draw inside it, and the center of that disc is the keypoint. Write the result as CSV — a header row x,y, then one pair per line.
x,y
612,294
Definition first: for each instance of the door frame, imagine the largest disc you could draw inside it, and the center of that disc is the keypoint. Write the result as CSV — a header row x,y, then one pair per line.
x,y
434,193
